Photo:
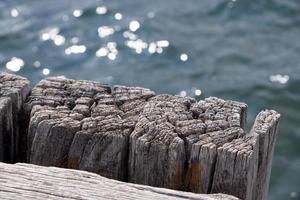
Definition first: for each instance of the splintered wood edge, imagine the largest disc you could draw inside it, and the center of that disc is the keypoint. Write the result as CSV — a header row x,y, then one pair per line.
x,y
185,125
172,135
266,127
13,92
244,165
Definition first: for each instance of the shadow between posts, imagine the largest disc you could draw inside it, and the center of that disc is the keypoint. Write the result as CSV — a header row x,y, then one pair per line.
x,y
133,135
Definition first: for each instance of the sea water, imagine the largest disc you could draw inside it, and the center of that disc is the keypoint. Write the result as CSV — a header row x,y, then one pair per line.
x,y
246,50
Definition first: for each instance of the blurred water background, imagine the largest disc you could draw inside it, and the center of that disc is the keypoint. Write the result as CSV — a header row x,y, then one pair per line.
x,y
247,50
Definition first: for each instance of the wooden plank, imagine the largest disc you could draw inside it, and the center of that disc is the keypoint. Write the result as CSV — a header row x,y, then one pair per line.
x,y
13,92
25,181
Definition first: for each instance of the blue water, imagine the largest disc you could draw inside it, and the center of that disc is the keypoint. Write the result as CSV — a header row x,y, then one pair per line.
x,y
247,50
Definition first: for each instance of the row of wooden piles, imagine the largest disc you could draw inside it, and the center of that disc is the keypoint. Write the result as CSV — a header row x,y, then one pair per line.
x,y
133,135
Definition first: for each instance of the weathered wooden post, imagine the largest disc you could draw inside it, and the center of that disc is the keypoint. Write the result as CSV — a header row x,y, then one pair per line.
x,y
83,125
133,135
13,92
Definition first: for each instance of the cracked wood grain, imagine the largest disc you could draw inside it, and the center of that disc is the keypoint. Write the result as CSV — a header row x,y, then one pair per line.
x,y
26,181
83,125
13,92
133,135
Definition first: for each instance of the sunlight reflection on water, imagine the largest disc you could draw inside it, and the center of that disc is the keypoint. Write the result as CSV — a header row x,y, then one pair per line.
x,y
101,10
75,49
15,64
14,12
242,50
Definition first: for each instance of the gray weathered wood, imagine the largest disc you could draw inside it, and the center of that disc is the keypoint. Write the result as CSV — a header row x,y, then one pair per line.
x,y
13,92
222,121
236,167
83,125
250,158
133,135
168,137
203,156
24,181
157,153
6,129
265,125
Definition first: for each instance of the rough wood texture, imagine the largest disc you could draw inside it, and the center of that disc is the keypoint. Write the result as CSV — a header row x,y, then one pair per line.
x,y
250,158
133,135
265,126
223,121
6,129
236,167
168,137
13,92
83,125
24,181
